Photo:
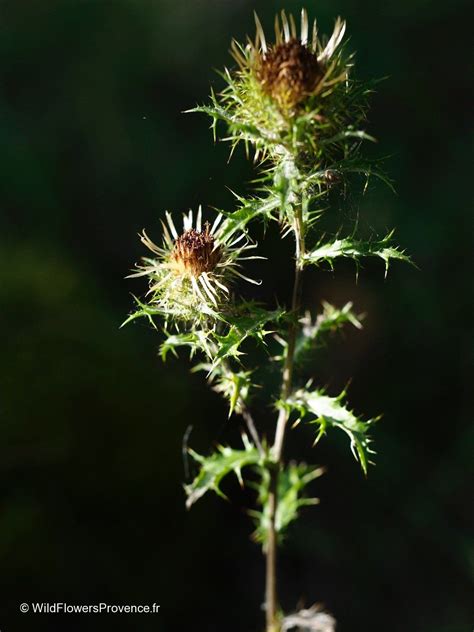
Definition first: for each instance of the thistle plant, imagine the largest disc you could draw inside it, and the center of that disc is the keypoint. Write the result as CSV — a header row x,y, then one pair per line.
x,y
301,115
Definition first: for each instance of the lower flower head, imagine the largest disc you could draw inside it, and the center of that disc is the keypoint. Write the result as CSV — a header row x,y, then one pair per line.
x,y
195,252
191,275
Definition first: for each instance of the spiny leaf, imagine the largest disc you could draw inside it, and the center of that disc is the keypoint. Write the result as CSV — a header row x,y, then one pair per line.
x,y
250,209
249,321
234,385
195,340
356,249
291,484
143,311
331,319
219,344
332,412
348,133
353,165
215,467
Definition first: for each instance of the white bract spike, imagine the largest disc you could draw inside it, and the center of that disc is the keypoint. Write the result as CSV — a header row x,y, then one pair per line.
x,y
148,243
260,34
196,289
221,285
293,27
236,241
166,235
277,30
206,290
216,223
334,41
199,219
159,284
315,37
246,278
190,218
138,274
169,219
210,285
208,282
304,27
286,26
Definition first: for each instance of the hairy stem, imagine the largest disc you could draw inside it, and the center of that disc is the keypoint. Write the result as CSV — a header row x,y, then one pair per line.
x,y
277,450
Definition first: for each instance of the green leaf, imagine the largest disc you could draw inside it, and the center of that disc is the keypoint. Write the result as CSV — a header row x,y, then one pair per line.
x,y
143,311
249,320
330,320
234,386
331,412
215,467
195,340
356,249
353,165
348,133
250,209
291,484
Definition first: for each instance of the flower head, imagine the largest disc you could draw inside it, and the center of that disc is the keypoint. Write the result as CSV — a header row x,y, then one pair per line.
x,y
191,275
288,72
294,67
195,251
292,95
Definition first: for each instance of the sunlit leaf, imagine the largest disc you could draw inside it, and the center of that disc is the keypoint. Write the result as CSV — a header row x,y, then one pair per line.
x,y
260,208
249,321
292,481
213,468
356,249
329,320
331,412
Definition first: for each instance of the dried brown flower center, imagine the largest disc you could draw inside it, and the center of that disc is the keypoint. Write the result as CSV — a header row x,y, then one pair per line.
x,y
289,72
195,252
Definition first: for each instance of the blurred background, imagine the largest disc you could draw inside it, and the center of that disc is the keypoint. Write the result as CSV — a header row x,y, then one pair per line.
x,y
94,147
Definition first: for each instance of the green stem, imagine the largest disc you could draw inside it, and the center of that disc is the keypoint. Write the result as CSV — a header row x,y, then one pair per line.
x,y
277,449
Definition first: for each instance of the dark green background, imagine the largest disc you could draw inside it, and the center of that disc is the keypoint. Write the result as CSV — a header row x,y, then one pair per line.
x,y
94,148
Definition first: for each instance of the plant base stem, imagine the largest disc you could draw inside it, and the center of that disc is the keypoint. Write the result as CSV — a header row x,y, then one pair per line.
x,y
271,554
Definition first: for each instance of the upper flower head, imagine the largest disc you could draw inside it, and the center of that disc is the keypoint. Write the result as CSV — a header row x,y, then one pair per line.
x,y
191,275
289,71
295,66
290,95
